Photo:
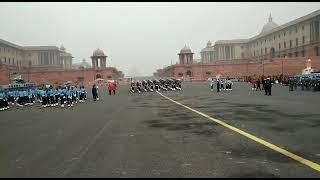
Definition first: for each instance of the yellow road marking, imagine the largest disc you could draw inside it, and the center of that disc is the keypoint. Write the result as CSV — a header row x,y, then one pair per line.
x,y
306,162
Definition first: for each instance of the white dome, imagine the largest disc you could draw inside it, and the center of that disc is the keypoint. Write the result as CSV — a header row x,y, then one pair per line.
x,y
62,48
98,52
185,50
269,26
209,44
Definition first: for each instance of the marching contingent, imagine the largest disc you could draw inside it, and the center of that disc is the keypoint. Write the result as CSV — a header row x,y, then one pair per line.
x,y
68,96
155,85
48,96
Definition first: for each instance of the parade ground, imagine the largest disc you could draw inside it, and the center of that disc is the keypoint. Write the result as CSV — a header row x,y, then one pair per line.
x,y
167,134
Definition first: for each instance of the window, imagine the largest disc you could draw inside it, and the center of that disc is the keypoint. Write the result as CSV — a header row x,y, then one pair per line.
x,y
274,37
242,55
254,53
296,41
290,55
265,51
284,44
296,29
279,46
12,60
261,51
303,27
302,39
302,53
295,54
9,61
265,40
279,36
284,34
290,43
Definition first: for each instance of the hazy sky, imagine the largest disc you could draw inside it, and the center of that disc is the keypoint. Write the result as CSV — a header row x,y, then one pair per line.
x,y
139,37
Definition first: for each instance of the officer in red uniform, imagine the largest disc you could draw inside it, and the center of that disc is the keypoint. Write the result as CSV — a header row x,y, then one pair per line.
x,y
112,87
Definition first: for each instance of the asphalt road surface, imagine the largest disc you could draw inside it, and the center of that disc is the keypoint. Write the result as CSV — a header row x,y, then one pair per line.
x,y
146,135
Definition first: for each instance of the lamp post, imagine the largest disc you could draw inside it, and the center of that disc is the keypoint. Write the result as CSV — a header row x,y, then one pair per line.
x,y
282,67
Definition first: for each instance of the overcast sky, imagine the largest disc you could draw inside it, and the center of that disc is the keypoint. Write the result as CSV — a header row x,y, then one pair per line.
x,y
139,37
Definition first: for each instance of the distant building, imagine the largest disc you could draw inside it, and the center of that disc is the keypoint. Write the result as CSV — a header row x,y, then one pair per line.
x,y
83,64
277,51
297,38
34,56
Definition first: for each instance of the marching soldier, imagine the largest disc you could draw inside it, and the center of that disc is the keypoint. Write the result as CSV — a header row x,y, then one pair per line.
x,y
218,85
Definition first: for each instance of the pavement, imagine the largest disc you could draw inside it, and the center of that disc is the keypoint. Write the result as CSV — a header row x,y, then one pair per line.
x,y
146,135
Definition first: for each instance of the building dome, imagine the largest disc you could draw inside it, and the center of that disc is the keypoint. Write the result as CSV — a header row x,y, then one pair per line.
x,y
185,50
209,44
62,48
98,52
269,26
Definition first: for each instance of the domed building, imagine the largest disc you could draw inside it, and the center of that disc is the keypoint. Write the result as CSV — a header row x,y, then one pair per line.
x,y
99,59
276,49
269,26
207,53
65,58
186,55
84,64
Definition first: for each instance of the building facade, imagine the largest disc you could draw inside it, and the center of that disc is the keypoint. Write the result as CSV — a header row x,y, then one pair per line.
x,y
85,74
34,56
297,38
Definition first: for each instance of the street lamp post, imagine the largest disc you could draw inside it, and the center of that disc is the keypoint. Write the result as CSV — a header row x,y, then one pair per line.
x,y
282,67
262,68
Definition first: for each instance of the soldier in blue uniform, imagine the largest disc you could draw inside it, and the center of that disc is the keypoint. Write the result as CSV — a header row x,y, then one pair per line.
x,y
83,93
69,96
62,94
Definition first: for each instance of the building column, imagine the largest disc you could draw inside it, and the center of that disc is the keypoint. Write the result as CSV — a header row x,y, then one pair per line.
x,y
70,63
92,60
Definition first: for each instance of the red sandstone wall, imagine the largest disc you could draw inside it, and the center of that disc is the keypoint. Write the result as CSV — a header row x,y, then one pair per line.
x,y
59,76
277,66
4,75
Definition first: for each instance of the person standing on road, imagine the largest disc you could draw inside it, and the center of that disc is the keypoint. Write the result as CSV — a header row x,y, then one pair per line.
x,y
268,87
112,87
258,84
94,92
212,84
218,85
253,82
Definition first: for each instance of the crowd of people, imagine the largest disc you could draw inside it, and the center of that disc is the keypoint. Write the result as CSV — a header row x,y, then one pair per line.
x,y
221,84
266,85
226,84
155,85
111,86
47,96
